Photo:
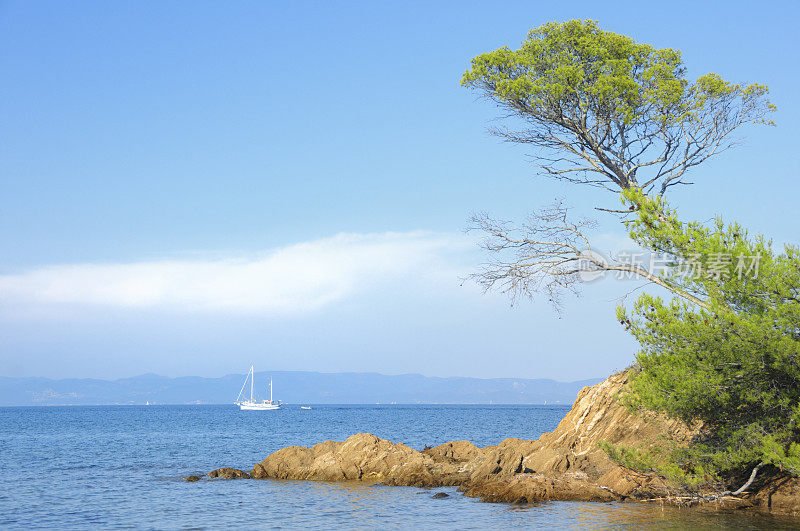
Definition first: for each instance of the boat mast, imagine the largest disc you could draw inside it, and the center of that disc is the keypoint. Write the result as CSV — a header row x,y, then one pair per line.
x,y
270,390
252,377
244,385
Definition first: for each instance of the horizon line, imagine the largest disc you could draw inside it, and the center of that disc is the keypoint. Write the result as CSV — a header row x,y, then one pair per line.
x,y
152,374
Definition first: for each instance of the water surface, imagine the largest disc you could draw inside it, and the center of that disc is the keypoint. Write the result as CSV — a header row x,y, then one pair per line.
x,y
123,467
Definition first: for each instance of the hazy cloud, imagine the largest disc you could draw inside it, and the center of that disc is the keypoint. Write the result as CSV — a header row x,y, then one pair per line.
x,y
297,278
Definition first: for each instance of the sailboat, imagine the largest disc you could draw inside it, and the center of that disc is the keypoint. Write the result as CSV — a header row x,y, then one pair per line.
x,y
253,404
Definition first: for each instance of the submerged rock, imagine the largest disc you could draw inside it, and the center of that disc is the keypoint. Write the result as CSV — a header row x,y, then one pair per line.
x,y
440,495
191,479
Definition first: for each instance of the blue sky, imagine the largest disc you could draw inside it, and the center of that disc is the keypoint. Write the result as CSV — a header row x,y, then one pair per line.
x,y
191,187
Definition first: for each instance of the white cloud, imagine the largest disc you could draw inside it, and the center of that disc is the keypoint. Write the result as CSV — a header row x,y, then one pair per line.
x,y
297,278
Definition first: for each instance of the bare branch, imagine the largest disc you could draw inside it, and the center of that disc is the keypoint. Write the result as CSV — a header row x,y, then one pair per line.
x,y
583,142
548,254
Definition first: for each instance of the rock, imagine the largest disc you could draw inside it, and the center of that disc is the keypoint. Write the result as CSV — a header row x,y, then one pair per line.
x,y
631,484
568,463
529,488
440,495
504,460
229,473
191,479
258,472
454,452
597,415
779,494
361,457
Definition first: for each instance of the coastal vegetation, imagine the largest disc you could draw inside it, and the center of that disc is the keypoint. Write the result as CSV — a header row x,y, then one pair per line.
x,y
730,361
721,350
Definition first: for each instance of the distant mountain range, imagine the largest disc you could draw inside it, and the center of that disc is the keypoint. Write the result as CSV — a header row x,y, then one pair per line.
x,y
291,387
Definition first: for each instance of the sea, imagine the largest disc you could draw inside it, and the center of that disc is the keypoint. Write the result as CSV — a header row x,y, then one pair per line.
x,y
123,467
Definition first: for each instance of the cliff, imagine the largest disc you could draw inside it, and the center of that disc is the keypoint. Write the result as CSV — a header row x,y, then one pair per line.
x,y
565,464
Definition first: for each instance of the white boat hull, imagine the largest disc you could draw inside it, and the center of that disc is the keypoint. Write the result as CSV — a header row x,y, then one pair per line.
x,y
257,406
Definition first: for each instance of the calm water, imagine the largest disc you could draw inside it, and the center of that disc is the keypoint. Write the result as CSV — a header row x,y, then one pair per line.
x,y
119,466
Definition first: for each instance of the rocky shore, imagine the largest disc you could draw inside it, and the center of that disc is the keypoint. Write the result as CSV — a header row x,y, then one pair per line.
x,y
565,464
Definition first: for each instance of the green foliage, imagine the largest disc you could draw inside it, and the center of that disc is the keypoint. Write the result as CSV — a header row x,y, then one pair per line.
x,y
560,61
732,362
606,74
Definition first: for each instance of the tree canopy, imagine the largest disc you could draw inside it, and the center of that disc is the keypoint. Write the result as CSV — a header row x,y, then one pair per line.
x,y
607,111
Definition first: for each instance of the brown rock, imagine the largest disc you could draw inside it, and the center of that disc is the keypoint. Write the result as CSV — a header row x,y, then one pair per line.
x,y
191,479
597,415
780,494
258,472
453,452
361,457
504,460
530,488
229,473
631,484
